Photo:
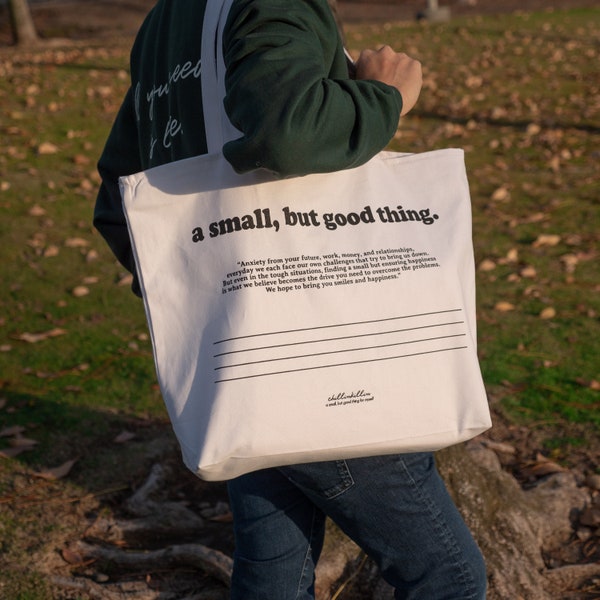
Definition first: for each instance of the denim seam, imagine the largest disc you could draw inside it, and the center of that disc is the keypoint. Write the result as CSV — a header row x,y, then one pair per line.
x,y
450,544
347,481
307,555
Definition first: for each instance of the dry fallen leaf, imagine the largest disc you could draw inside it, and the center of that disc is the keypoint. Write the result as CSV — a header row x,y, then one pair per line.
x,y
38,240
222,518
47,148
123,437
72,134
573,239
528,272
541,467
36,211
512,256
22,442
554,164
33,338
14,452
80,291
125,280
501,194
531,291
498,112
10,431
57,472
76,243
81,159
91,256
548,313
504,306
592,385
85,185
51,251
487,265
546,239
72,557
502,447
536,218
569,261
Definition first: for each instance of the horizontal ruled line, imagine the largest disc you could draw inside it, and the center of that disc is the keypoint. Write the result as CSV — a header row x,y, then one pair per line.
x,y
358,362
377,347
336,339
440,312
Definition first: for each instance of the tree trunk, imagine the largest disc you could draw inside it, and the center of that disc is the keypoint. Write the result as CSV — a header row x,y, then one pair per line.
x,y
21,22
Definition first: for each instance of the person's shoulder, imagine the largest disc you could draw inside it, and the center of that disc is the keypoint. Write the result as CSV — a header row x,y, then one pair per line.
x,y
315,16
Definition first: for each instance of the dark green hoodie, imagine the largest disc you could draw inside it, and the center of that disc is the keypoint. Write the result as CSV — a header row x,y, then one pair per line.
x,y
288,92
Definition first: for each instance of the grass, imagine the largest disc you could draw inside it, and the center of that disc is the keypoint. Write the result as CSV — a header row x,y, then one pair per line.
x,y
519,92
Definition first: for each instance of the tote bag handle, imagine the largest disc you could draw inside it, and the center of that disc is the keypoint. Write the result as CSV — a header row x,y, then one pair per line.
x,y
217,125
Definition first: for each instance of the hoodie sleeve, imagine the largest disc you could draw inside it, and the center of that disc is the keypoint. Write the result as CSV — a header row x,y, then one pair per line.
x,y
120,157
289,93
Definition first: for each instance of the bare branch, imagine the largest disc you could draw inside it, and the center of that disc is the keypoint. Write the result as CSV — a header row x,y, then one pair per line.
x,y
210,561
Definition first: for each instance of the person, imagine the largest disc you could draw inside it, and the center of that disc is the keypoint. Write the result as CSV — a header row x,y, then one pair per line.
x,y
298,110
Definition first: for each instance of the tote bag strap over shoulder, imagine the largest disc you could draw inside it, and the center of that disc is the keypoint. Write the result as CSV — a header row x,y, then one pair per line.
x,y
217,125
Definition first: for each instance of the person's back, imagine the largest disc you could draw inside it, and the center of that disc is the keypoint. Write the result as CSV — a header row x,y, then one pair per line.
x,y
166,66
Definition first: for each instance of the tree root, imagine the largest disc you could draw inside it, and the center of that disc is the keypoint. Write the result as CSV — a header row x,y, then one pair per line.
x,y
141,504
572,577
212,562
151,517
97,591
120,542
120,530
125,591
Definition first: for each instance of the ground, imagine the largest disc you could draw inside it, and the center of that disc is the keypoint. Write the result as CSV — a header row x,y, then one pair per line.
x,y
82,19
96,19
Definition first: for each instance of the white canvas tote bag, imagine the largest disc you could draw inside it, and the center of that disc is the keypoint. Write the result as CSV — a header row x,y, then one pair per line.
x,y
321,317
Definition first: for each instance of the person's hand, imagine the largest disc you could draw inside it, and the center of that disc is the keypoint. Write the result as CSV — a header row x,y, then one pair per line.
x,y
395,69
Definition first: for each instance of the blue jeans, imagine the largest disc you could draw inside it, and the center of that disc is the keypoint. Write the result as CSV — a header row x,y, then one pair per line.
x,y
396,508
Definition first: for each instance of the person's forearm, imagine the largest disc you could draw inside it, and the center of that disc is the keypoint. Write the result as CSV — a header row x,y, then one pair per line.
x,y
289,93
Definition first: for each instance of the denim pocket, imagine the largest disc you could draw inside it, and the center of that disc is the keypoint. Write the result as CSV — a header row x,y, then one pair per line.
x,y
326,479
